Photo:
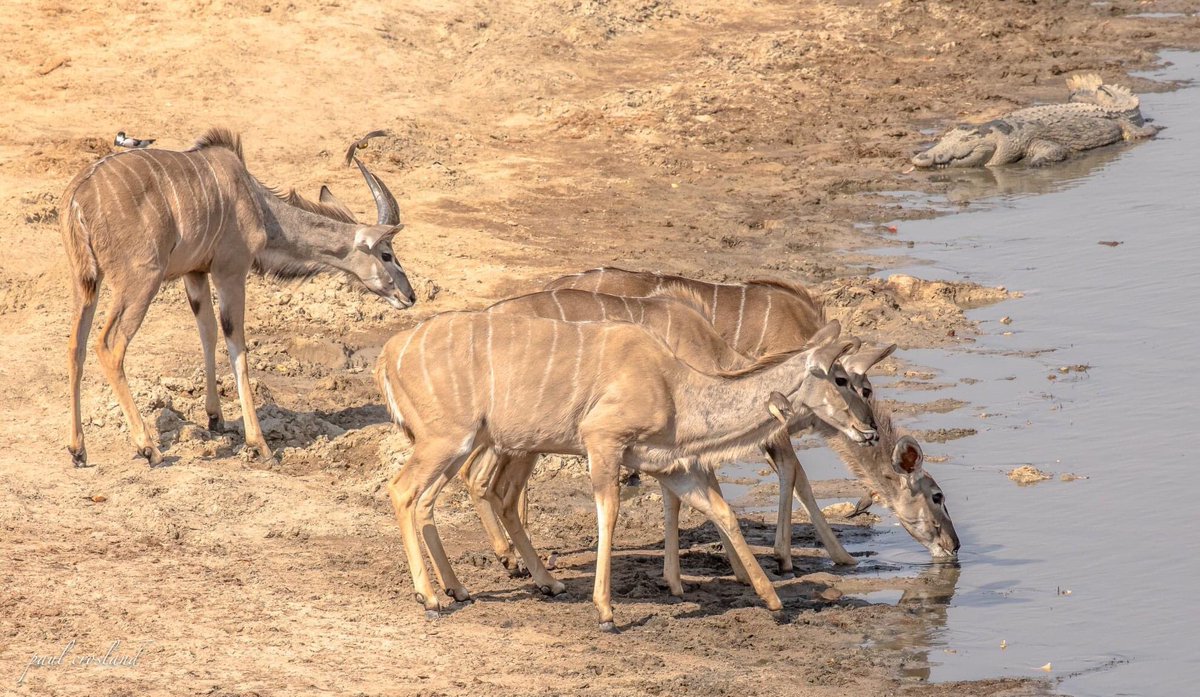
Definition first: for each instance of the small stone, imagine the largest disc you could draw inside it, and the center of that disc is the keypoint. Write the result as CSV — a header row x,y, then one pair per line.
x,y
831,594
1028,474
99,498
1048,667
1070,477
1006,320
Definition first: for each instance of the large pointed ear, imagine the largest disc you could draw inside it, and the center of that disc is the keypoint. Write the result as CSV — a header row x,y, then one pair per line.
x,y
332,201
824,335
907,457
368,238
827,355
863,504
865,359
780,408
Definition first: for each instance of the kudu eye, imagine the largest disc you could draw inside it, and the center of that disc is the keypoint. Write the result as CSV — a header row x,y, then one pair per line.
x,y
840,382
938,498
866,392
387,257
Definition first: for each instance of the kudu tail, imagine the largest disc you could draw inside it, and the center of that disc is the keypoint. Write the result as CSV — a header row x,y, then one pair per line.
x,y
85,272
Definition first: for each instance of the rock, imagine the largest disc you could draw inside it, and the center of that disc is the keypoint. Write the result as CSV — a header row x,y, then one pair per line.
x,y
838,510
1028,474
168,420
1006,320
831,594
330,354
191,432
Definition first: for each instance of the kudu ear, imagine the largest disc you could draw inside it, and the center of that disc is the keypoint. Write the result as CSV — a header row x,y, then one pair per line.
x,y
780,408
824,335
865,359
826,356
332,201
368,238
863,505
907,456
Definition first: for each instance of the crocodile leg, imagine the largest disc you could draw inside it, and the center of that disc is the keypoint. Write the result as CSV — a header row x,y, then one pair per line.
x,y
1042,152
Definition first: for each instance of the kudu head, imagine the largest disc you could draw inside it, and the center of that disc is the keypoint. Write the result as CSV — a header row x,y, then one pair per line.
x,y
827,392
916,499
372,259
858,362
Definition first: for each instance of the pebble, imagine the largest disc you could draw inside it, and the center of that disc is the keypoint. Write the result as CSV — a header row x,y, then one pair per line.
x,y
1028,474
831,594
1006,320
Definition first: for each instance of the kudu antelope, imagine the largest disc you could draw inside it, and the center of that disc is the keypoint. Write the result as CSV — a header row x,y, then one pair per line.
x,y
755,318
142,217
462,384
675,317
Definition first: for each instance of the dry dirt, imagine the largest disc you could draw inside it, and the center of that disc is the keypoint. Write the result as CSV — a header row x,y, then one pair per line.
x,y
529,139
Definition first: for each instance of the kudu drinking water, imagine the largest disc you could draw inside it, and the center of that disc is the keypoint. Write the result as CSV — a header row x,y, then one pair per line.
x,y
463,384
769,316
139,218
675,316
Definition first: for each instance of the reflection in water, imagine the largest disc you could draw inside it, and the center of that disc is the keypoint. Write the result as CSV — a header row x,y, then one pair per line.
x,y
919,639
971,185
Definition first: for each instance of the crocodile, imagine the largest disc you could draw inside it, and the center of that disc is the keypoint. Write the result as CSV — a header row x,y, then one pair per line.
x,y
1095,115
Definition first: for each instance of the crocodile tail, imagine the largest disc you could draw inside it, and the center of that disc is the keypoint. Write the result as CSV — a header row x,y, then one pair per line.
x,y
1084,85
1088,88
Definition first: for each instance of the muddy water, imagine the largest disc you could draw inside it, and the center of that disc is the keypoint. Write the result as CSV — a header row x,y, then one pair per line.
x,y
1096,577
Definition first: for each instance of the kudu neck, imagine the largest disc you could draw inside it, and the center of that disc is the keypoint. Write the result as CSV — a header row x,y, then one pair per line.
x,y
713,408
296,236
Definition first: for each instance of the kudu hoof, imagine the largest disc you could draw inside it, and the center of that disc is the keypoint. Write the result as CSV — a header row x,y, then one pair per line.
x,y
216,424
460,595
153,457
556,588
609,628
78,457
785,575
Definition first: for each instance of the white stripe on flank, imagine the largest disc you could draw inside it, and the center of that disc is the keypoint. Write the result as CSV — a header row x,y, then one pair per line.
x,y
549,365
165,175
404,349
766,321
491,369
471,366
512,376
627,310
220,198
642,315
667,334
578,364
207,205
458,400
713,311
603,311
741,312
599,280
424,365
561,312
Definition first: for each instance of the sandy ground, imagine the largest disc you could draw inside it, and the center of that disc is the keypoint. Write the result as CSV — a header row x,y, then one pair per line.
x,y
722,140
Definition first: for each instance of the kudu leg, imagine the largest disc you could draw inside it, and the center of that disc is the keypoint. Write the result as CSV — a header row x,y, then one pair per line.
x,y
505,495
671,572
783,457
231,293
429,460
85,312
200,300
478,476
701,491
604,466
786,470
125,316
433,541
